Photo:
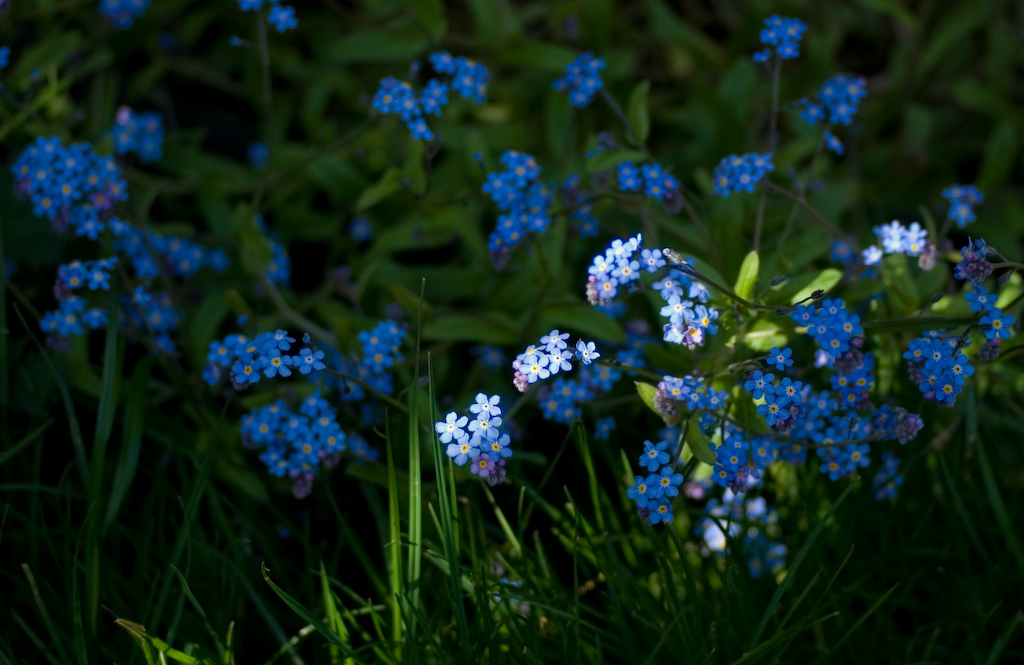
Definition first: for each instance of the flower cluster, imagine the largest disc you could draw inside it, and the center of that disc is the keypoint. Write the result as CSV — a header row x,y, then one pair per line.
x,y
147,251
888,479
71,185
784,34
652,492
688,325
739,174
574,197
70,317
142,133
522,197
962,199
837,100
537,363
750,517
582,79
381,350
896,239
480,440
250,360
280,16
469,79
616,268
656,183
294,444
152,316
122,13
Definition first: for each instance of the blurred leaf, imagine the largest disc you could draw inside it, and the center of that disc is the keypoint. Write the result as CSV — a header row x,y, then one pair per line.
x,y
388,184
796,289
639,116
894,9
483,328
674,31
371,45
431,14
607,159
540,56
410,302
647,393
413,171
747,278
764,335
1000,151
698,442
953,30
586,319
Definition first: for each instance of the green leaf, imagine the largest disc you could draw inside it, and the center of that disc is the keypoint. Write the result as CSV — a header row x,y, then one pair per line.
x,y
431,14
802,286
894,9
953,30
748,276
606,159
639,116
388,184
647,392
413,171
585,319
485,328
763,335
698,443
1000,150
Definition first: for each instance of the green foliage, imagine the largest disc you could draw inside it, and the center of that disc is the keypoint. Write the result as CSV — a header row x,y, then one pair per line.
x,y
134,524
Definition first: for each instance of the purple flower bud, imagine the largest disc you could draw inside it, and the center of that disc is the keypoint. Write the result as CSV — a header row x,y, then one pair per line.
x,y
989,350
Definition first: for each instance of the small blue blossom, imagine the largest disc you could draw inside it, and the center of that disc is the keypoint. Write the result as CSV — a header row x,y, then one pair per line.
x,y
996,324
586,352
654,455
603,428
739,174
582,79
282,17
780,358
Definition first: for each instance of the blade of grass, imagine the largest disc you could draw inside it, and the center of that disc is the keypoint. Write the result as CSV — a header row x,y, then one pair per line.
x,y
309,617
51,628
961,509
415,562
25,441
448,525
334,618
998,507
580,435
182,537
65,394
199,610
109,389
394,545
857,624
791,573
131,439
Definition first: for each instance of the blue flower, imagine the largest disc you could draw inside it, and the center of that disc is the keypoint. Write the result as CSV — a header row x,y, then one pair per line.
x,y
772,409
122,13
245,370
586,352
840,95
740,174
996,324
462,451
259,153
629,177
274,363
582,79
833,144
451,427
434,97
780,359
784,34
758,383
654,455
669,482
309,360
643,490
282,18
419,129
5,56
660,512
603,428
498,448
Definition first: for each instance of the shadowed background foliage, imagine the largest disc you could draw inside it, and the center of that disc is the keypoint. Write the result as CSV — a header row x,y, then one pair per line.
x,y
184,516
